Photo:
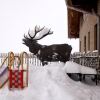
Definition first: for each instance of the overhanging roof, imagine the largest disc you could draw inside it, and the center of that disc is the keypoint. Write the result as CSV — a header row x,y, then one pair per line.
x,y
76,8
85,5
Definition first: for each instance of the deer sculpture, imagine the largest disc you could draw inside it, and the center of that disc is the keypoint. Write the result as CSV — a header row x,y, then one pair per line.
x,y
46,53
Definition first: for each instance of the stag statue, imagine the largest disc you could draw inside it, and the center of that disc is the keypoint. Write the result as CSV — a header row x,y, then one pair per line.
x,y
55,52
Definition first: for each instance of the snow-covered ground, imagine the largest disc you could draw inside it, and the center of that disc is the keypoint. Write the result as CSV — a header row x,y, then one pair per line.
x,y
51,83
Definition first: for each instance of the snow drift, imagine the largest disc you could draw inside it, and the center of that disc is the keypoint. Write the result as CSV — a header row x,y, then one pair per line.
x,y
51,83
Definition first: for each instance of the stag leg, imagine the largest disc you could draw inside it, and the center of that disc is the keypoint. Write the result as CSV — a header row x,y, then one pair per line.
x,y
44,63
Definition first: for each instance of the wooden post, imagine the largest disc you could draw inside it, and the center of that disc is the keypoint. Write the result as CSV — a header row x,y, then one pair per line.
x,y
25,65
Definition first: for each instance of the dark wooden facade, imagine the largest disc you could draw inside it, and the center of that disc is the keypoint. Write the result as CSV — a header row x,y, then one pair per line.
x,y
73,23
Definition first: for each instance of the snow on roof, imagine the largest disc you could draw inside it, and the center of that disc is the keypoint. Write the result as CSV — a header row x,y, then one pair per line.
x,y
88,70
72,67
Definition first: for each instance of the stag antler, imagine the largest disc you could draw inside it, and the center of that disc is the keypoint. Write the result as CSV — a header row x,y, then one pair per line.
x,y
29,36
42,33
38,29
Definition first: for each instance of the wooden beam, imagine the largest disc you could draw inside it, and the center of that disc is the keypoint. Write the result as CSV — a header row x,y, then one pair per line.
x,y
82,11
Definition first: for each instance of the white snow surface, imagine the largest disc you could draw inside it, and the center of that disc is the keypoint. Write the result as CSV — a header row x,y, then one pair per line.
x,y
51,83
72,67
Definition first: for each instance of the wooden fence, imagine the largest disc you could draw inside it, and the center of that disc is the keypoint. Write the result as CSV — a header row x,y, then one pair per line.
x,y
32,59
90,59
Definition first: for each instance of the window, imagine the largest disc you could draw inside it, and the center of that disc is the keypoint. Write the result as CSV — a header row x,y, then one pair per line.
x,y
95,37
88,40
84,43
80,46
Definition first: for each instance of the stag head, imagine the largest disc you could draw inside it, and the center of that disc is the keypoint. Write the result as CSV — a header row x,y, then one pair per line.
x,y
30,40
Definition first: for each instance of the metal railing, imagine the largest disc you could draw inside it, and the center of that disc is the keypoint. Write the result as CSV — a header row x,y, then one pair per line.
x,y
89,59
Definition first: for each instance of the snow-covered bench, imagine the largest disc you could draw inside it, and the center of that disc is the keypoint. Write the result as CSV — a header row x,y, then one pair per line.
x,y
74,68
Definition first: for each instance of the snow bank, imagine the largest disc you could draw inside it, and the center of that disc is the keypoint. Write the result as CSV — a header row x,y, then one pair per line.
x,y
51,83
88,70
72,67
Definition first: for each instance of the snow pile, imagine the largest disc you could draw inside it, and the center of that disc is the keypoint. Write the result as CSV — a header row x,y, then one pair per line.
x,y
51,83
72,67
88,70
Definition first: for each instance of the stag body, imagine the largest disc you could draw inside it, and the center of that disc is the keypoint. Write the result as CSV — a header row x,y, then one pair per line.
x,y
55,52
